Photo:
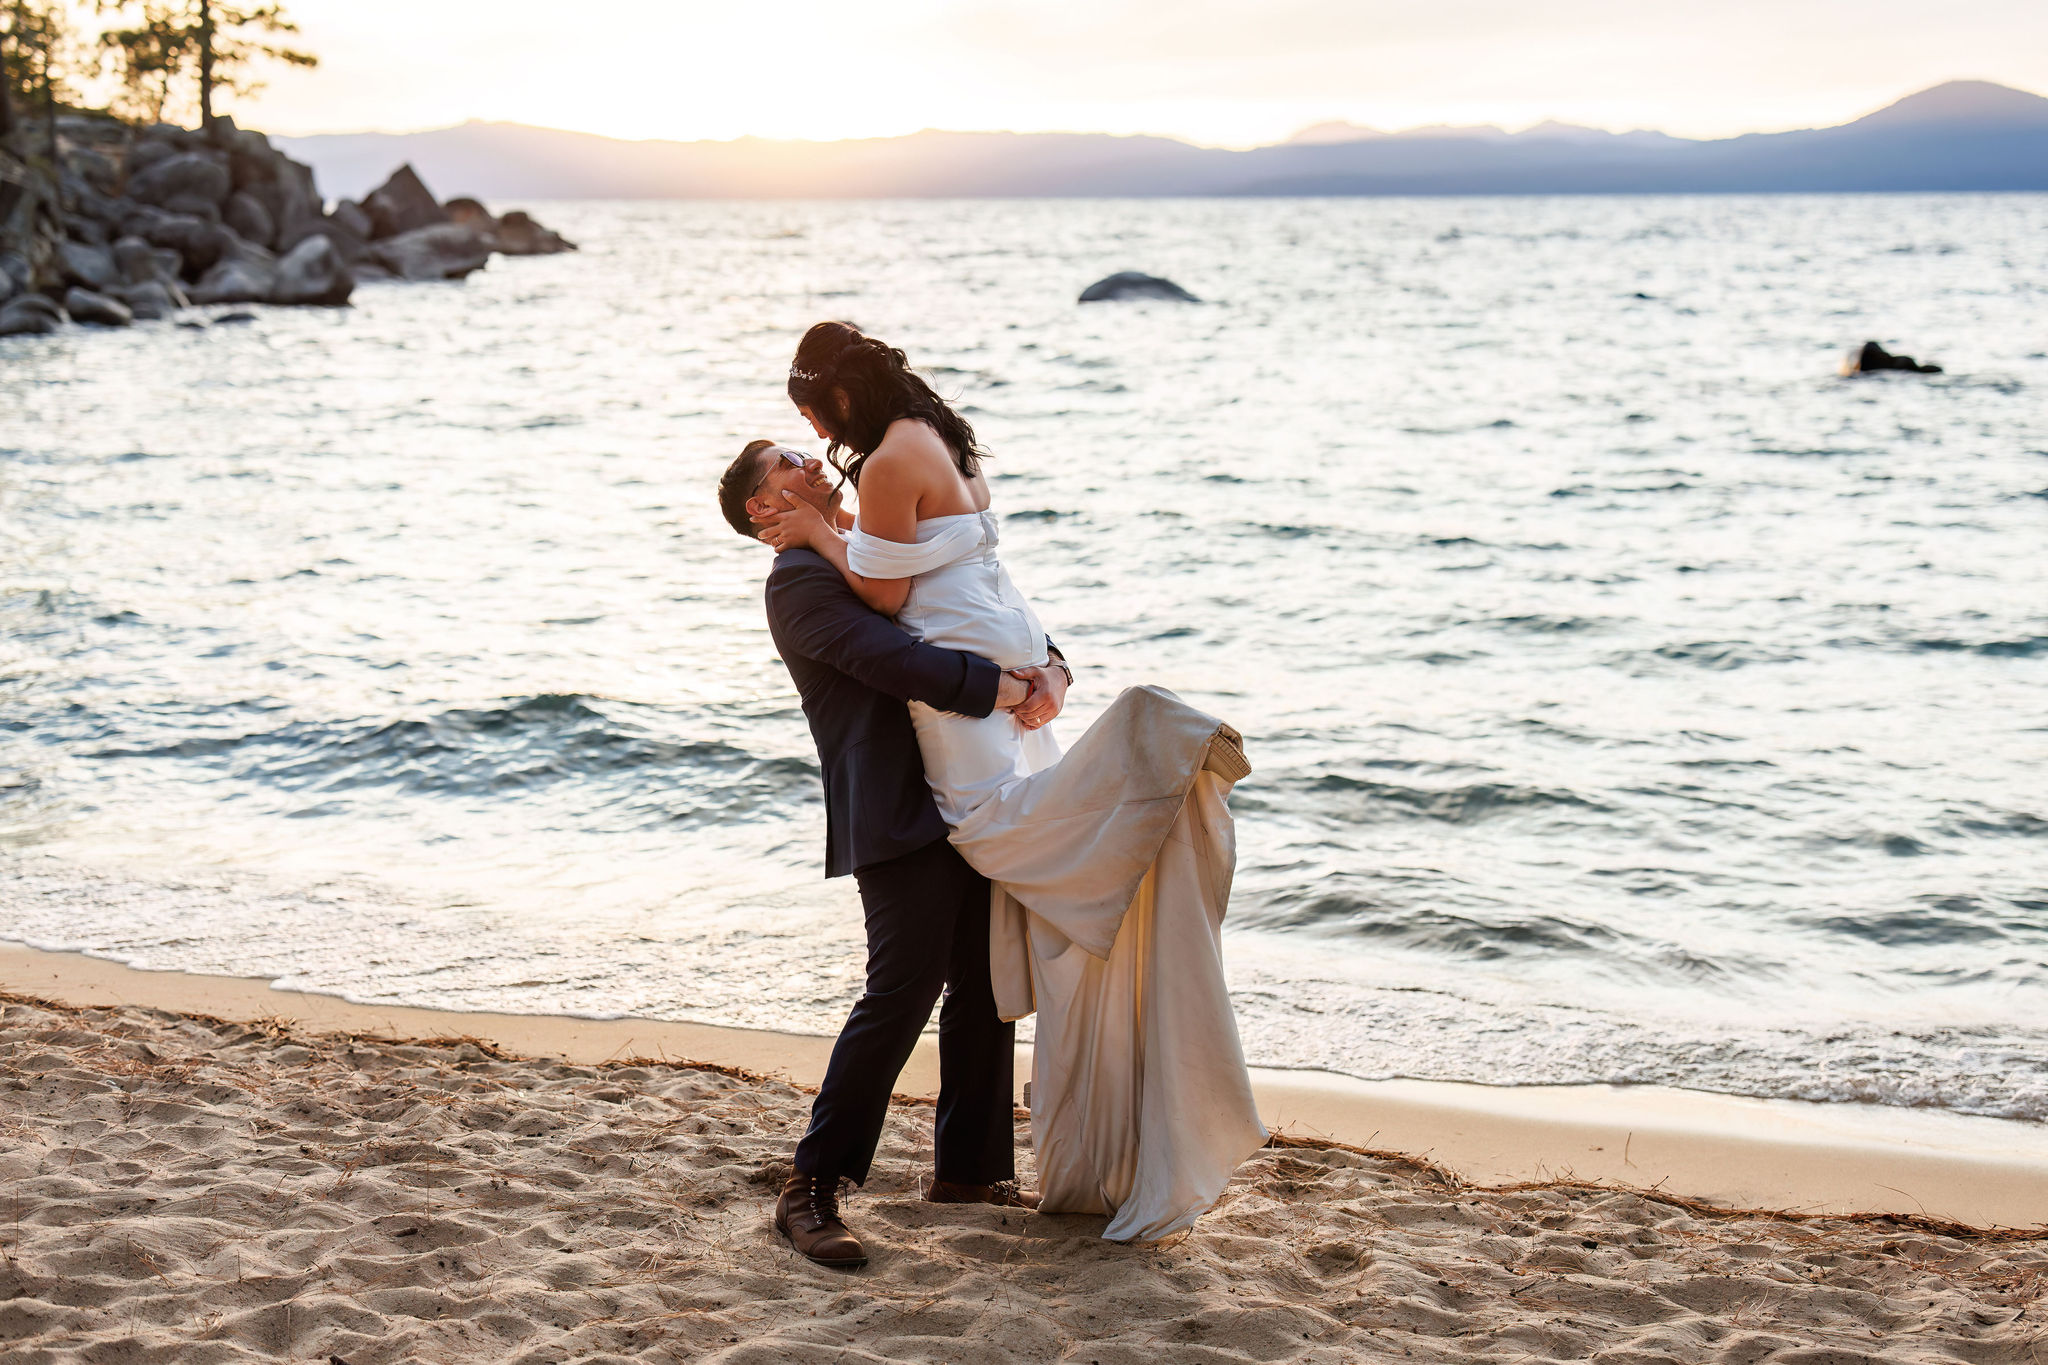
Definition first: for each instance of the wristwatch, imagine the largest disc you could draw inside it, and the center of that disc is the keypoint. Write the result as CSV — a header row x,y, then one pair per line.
x,y
1061,665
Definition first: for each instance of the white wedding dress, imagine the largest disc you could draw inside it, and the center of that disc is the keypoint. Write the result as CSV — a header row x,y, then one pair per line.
x,y
1110,872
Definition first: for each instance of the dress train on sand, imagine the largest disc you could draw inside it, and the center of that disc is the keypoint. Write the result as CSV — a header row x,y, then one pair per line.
x,y
1111,870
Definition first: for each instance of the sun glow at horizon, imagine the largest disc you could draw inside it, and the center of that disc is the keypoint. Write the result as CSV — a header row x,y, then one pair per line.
x,y
1226,75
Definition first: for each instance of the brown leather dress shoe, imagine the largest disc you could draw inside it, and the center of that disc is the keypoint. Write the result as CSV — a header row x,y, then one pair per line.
x,y
1004,1194
808,1215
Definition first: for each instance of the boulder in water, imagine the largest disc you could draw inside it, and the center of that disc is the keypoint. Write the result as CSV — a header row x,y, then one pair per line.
x,y
152,299
141,263
85,305
1132,284
403,204
242,278
516,234
29,315
447,251
313,273
1874,357
88,265
349,216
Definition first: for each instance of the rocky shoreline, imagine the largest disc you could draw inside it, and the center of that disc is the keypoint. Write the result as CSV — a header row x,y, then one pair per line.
x,y
135,224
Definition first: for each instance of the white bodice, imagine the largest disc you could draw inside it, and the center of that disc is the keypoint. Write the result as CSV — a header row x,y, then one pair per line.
x,y
961,597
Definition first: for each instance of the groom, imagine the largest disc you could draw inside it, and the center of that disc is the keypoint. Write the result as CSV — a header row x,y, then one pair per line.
x,y
927,911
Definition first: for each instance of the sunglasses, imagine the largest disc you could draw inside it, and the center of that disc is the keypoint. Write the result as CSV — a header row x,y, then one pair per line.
x,y
788,457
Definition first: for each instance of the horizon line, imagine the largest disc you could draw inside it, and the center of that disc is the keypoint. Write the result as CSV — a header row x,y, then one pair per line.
x,y
1508,130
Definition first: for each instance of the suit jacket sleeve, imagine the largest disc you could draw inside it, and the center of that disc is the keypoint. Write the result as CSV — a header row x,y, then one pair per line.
x,y
814,612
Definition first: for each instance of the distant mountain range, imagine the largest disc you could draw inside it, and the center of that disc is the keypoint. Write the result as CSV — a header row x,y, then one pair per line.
x,y
1965,135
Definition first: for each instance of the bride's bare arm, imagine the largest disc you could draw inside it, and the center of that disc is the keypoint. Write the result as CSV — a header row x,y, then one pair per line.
x,y
889,494
885,595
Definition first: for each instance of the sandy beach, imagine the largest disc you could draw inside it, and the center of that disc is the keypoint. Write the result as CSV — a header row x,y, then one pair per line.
x,y
181,1187
1721,1149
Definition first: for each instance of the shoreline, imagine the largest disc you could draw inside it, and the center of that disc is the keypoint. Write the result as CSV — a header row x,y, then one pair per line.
x,y
1731,1151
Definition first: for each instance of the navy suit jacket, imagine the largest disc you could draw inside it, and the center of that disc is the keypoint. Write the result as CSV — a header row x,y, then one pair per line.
x,y
855,669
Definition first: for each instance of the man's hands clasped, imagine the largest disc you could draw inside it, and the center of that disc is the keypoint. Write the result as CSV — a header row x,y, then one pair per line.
x,y
1045,694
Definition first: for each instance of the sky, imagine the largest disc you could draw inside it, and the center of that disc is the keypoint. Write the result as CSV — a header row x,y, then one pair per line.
x,y
1224,74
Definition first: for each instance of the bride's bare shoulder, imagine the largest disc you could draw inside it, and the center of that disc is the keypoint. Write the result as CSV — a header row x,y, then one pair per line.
x,y
914,463
910,441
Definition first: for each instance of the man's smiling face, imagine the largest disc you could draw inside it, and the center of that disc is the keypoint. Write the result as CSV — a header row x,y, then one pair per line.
x,y
791,471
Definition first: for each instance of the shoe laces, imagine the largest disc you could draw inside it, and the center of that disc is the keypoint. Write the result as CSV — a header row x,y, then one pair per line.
x,y
823,1192
1005,1192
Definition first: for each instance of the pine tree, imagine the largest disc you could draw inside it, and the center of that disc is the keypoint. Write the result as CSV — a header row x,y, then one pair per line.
x,y
149,55
155,45
37,60
227,40
6,79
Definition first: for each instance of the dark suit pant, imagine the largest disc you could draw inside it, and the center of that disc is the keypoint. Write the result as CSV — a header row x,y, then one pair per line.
x,y
927,923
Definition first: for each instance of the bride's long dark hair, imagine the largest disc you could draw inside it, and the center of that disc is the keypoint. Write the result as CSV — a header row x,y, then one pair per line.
x,y
880,388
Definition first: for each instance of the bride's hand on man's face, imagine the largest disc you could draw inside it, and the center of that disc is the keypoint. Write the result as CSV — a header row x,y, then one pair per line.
x,y
796,523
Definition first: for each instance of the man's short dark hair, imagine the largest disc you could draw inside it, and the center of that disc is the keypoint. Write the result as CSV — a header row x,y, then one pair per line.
x,y
742,477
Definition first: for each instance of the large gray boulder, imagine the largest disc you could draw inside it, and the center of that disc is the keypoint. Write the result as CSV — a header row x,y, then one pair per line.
x,y
82,229
1133,284
237,279
313,273
87,265
140,263
352,246
199,244
251,158
247,216
519,235
85,305
516,234
238,249
146,152
29,315
92,168
470,213
190,182
152,299
350,217
402,204
88,203
171,135
444,252
8,288
297,209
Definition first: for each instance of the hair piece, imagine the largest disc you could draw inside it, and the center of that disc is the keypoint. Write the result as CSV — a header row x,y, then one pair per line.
x,y
738,483
879,387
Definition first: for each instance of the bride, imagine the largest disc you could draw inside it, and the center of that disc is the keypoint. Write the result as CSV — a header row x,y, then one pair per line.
x,y
1110,868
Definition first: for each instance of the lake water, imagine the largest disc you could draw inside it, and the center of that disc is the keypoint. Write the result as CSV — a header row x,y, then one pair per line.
x,y
1630,697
